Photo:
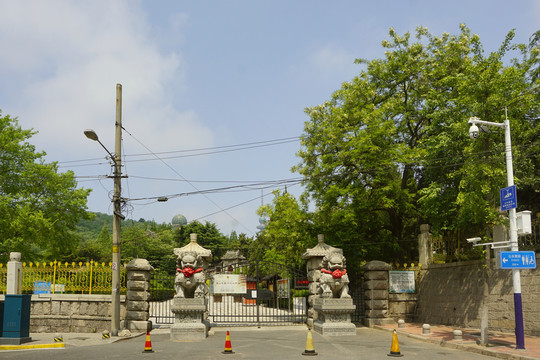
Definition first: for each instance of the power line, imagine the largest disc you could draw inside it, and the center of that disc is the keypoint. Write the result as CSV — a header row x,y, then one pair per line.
x,y
215,181
177,173
199,152
240,204
244,187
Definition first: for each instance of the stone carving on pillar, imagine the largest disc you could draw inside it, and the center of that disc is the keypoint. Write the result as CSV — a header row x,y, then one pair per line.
x,y
190,302
190,278
314,257
329,291
334,281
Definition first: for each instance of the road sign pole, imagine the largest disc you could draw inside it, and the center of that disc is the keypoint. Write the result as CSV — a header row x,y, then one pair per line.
x,y
516,274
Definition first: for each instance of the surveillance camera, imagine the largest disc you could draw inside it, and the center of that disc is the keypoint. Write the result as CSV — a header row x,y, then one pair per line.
x,y
474,240
473,131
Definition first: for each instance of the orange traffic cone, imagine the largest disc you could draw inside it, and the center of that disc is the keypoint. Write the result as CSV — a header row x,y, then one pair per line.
x,y
148,344
310,350
394,350
228,347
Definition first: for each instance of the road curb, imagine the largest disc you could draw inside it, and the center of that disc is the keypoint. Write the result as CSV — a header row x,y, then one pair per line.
x,y
31,347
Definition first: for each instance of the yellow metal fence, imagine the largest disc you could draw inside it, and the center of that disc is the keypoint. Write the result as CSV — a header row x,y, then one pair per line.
x,y
65,278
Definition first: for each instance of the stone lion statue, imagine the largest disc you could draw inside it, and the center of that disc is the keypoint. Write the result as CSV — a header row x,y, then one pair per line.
x,y
334,281
190,280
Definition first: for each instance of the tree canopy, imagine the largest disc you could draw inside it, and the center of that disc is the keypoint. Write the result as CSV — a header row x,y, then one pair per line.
x,y
288,233
39,206
390,150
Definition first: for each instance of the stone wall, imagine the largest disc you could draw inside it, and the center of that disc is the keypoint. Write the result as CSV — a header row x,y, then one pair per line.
x,y
71,313
402,306
450,294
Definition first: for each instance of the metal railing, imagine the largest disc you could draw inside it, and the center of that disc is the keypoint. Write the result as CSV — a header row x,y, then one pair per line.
x,y
65,278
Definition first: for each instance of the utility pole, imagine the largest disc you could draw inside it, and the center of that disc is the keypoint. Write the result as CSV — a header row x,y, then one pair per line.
x,y
117,216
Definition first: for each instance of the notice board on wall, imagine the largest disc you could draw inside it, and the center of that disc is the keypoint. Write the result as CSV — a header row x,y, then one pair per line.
x,y
401,282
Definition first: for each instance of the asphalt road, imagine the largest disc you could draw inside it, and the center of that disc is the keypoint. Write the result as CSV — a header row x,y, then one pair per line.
x,y
253,343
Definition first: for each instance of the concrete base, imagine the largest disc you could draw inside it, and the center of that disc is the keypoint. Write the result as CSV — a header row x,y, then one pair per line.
x,y
381,321
334,329
14,341
334,316
189,332
136,325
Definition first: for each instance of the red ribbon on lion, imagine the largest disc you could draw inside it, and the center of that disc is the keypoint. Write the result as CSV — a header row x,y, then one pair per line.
x,y
188,272
336,274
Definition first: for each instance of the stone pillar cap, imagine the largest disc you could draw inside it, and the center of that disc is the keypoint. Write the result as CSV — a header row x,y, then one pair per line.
x,y
376,265
139,264
14,256
194,247
320,250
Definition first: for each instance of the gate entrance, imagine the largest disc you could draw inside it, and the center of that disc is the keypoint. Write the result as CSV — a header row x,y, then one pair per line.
x,y
242,294
257,293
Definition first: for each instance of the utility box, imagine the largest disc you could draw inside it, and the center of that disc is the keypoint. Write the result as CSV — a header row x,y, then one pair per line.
x,y
16,322
1,316
523,222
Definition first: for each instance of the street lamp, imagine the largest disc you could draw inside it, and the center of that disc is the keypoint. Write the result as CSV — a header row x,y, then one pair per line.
x,y
476,125
117,212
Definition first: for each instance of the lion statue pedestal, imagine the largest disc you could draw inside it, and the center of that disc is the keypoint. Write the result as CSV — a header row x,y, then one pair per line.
x,y
334,316
190,302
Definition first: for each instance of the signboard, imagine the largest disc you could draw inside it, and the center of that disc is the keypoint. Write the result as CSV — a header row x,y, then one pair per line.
x,y
229,284
283,290
42,287
262,294
299,306
518,260
508,198
301,283
401,282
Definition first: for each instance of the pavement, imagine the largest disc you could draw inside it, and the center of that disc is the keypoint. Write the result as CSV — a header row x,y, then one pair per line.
x,y
501,345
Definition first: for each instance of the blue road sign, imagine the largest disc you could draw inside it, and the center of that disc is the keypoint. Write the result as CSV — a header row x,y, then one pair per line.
x,y
518,260
508,198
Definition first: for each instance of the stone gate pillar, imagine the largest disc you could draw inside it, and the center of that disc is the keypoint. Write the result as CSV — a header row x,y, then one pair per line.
x,y
425,253
138,294
376,291
14,274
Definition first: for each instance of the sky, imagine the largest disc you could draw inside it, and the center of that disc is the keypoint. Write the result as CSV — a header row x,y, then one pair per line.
x,y
213,92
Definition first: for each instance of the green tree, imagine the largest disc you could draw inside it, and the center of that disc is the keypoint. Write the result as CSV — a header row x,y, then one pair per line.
x,y
208,236
287,234
240,242
156,247
39,207
390,150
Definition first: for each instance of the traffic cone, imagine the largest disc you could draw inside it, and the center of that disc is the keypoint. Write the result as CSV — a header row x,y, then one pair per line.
x,y
148,344
310,350
228,347
394,350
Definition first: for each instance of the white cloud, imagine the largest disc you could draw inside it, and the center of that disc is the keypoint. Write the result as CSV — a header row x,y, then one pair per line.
x,y
64,61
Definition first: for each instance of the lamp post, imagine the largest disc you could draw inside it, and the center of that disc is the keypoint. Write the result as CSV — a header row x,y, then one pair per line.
x,y
117,212
516,276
